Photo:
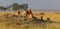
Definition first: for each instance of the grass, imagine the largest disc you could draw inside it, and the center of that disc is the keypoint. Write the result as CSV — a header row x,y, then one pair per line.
x,y
19,22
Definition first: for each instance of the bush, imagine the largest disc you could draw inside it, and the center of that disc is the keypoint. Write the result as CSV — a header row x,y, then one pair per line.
x,y
42,13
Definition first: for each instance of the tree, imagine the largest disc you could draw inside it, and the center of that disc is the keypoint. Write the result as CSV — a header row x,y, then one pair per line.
x,y
15,6
3,8
25,6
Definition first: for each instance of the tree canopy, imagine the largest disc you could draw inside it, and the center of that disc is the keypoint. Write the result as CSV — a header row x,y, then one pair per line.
x,y
17,6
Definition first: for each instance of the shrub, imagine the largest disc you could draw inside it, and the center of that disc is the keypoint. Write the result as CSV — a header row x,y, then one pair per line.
x,y
42,13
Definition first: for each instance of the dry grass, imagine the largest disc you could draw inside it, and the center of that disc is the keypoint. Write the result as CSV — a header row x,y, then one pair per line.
x,y
18,22
53,15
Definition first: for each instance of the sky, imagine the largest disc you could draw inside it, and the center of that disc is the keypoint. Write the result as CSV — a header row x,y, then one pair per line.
x,y
34,4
